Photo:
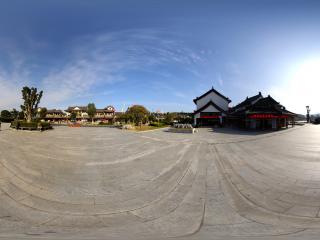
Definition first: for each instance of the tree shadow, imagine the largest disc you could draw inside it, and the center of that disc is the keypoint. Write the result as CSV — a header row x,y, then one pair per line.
x,y
244,132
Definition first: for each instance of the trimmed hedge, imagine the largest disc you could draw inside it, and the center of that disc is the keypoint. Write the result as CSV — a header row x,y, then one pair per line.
x,y
30,125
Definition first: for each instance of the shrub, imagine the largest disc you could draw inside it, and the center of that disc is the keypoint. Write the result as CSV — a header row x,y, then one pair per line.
x,y
5,120
45,125
31,125
105,123
6,116
157,124
28,124
14,124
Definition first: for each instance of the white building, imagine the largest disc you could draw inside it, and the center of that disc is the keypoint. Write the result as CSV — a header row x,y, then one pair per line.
x,y
212,109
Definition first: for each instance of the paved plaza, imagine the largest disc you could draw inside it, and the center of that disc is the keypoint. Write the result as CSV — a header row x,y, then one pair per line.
x,y
105,183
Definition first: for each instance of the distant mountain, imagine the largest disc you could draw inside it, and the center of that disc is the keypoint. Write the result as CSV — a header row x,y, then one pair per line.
x,y
314,117
301,117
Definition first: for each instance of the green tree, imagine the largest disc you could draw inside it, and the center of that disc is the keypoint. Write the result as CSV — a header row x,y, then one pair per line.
x,y
21,115
73,116
91,110
152,118
43,113
6,116
31,101
170,117
15,113
137,113
123,117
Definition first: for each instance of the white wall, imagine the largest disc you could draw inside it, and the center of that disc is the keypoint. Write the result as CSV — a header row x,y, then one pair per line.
x,y
210,108
218,100
195,118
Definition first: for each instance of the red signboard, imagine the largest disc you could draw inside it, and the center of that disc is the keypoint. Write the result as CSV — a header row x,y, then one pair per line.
x,y
266,116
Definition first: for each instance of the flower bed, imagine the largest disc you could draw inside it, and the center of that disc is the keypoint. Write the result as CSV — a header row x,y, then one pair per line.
x,y
74,125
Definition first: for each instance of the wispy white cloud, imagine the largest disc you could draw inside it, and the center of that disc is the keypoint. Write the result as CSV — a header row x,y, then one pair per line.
x,y
9,93
158,86
106,58
96,61
179,94
11,82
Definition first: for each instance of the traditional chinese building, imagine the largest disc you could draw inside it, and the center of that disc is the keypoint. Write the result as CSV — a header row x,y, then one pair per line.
x,y
106,114
212,109
260,112
56,115
80,111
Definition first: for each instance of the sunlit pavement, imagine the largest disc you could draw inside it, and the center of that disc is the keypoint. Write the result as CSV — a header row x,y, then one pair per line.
x,y
105,183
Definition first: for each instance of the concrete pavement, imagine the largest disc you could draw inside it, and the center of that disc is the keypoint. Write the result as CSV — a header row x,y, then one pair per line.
x,y
103,183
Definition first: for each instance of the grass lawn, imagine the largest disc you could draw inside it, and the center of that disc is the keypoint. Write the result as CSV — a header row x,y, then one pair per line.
x,y
146,128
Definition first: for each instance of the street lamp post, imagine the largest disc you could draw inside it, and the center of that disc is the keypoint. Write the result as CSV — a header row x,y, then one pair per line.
x,y
308,114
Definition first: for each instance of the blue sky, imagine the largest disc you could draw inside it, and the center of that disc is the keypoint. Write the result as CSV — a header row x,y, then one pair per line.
x,y
161,54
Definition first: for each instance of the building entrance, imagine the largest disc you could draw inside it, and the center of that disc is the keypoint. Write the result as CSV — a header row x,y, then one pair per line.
x,y
208,122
